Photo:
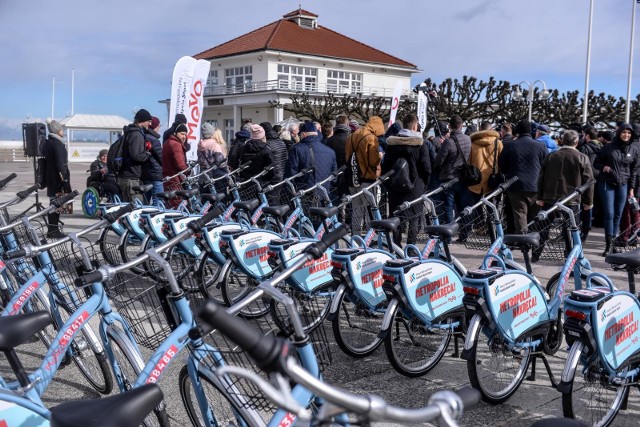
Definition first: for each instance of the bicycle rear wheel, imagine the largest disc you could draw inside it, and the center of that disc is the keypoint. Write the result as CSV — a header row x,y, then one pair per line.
x,y
92,364
206,274
236,285
223,409
494,369
592,399
130,365
40,302
414,348
356,328
108,242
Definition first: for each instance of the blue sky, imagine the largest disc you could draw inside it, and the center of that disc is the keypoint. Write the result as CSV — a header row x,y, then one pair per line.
x,y
123,52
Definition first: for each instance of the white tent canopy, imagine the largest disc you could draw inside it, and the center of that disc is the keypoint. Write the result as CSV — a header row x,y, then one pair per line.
x,y
87,151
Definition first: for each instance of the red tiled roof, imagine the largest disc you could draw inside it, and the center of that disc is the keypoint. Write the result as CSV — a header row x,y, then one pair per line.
x,y
300,12
287,36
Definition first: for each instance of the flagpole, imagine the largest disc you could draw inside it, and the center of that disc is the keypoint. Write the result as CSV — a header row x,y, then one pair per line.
x,y
53,97
73,76
587,72
627,114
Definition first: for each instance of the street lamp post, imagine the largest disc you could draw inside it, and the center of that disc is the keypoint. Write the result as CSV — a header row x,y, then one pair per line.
x,y
627,113
586,77
517,94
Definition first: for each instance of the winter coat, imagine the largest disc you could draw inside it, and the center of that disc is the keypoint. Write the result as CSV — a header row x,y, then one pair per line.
x,y
338,142
411,147
300,158
523,158
259,154
591,149
278,153
548,142
96,177
483,151
210,154
364,142
152,168
174,160
57,174
622,158
134,152
235,151
449,159
561,173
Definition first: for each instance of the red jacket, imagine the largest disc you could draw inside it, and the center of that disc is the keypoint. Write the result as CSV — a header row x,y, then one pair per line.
x,y
174,160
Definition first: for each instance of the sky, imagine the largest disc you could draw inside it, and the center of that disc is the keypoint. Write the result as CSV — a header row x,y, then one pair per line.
x,y
123,51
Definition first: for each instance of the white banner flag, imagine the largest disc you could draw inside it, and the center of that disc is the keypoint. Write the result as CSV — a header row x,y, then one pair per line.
x,y
395,102
422,110
187,90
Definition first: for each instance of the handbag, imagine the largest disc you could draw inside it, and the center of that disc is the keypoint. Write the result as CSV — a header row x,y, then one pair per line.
x,y
496,178
469,174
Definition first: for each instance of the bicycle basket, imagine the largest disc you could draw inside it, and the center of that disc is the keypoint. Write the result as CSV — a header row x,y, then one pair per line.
x,y
477,227
552,241
414,219
21,234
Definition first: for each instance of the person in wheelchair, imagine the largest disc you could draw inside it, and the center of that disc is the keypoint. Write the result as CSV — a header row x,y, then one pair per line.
x,y
102,179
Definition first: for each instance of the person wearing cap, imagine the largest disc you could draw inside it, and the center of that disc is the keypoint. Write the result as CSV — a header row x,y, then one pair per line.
x,y
134,155
174,160
57,174
279,154
179,118
542,134
101,178
152,168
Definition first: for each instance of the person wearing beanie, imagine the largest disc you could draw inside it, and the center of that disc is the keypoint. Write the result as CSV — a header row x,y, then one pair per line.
x,y
235,151
279,155
134,155
101,178
57,176
179,118
617,163
152,169
212,152
523,158
258,153
174,159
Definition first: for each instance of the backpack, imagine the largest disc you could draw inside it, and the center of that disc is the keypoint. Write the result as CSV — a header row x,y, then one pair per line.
x,y
352,173
401,179
115,156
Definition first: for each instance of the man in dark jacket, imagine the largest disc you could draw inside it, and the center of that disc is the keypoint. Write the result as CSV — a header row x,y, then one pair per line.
x,y
279,156
523,158
258,153
311,152
408,145
590,146
134,154
152,169
450,160
337,142
235,151
57,174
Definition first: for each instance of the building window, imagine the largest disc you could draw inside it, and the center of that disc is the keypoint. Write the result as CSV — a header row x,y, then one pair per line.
x,y
212,80
297,78
344,81
229,132
213,123
238,79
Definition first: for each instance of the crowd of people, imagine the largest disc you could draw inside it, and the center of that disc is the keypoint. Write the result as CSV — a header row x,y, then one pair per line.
x,y
548,166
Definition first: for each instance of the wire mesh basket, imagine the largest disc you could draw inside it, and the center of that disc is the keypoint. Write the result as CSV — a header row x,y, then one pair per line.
x,y
248,191
21,234
628,239
359,212
554,237
476,229
414,220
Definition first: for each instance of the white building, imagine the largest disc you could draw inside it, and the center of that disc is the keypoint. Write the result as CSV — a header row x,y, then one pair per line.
x,y
291,55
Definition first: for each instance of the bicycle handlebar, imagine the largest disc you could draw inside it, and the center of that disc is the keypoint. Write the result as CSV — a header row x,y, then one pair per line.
x,y
25,193
63,200
542,215
340,170
443,187
7,180
114,216
14,254
501,188
169,178
347,198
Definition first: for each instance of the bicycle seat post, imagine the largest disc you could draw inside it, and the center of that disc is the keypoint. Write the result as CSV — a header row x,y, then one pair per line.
x,y
631,272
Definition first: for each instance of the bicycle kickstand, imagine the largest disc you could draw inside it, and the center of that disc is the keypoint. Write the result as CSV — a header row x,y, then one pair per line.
x,y
532,377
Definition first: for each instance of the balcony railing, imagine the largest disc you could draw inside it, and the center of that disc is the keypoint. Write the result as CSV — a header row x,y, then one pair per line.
x,y
292,87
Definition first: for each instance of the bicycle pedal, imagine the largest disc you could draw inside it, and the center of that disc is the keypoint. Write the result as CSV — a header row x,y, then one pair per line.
x,y
66,361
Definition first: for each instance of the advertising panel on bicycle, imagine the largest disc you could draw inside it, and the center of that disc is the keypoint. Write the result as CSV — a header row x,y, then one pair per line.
x,y
367,275
433,288
617,329
313,273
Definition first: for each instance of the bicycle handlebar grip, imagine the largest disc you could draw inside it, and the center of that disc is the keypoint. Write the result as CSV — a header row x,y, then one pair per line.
x,y
91,277
263,349
387,175
25,193
197,224
508,184
450,183
470,397
114,216
8,179
60,201
17,253
340,170
318,248
585,187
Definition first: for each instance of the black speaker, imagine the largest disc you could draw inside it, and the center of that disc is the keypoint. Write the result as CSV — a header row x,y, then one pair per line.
x,y
34,135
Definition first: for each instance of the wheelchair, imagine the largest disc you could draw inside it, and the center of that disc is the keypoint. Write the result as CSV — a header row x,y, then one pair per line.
x,y
93,196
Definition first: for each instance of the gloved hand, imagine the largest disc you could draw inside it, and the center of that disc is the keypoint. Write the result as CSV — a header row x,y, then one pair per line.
x,y
147,145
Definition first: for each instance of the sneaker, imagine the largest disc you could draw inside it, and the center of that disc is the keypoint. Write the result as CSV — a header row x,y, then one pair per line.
x,y
535,258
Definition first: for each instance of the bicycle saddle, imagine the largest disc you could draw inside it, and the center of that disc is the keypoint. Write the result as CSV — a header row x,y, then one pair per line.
x,y
247,205
166,195
127,409
631,259
142,188
443,230
277,211
185,194
532,239
213,198
324,212
15,330
385,224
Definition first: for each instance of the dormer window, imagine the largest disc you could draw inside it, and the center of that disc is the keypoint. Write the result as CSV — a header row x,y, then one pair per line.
x,y
303,18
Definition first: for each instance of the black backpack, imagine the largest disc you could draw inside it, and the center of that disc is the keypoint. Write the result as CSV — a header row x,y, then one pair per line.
x,y
115,157
401,179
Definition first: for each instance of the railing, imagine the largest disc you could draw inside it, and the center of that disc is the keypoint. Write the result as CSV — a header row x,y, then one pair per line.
x,y
10,155
286,86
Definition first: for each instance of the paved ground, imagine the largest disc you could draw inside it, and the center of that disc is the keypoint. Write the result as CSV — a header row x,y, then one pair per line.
x,y
534,399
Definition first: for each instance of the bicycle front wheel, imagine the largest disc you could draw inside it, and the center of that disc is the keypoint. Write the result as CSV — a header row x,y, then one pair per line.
x,y
206,274
493,368
592,399
236,285
356,328
130,364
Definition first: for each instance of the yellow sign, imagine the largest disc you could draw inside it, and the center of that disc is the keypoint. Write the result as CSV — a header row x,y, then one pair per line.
x,y
75,153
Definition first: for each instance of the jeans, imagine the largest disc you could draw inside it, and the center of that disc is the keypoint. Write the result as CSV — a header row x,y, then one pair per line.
x,y
457,197
613,199
151,194
126,186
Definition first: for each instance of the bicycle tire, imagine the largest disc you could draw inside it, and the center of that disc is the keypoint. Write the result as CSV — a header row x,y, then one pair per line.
x,y
130,247
206,274
83,355
554,338
235,285
40,302
356,328
130,366
225,412
412,348
312,313
482,372
580,401
107,240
